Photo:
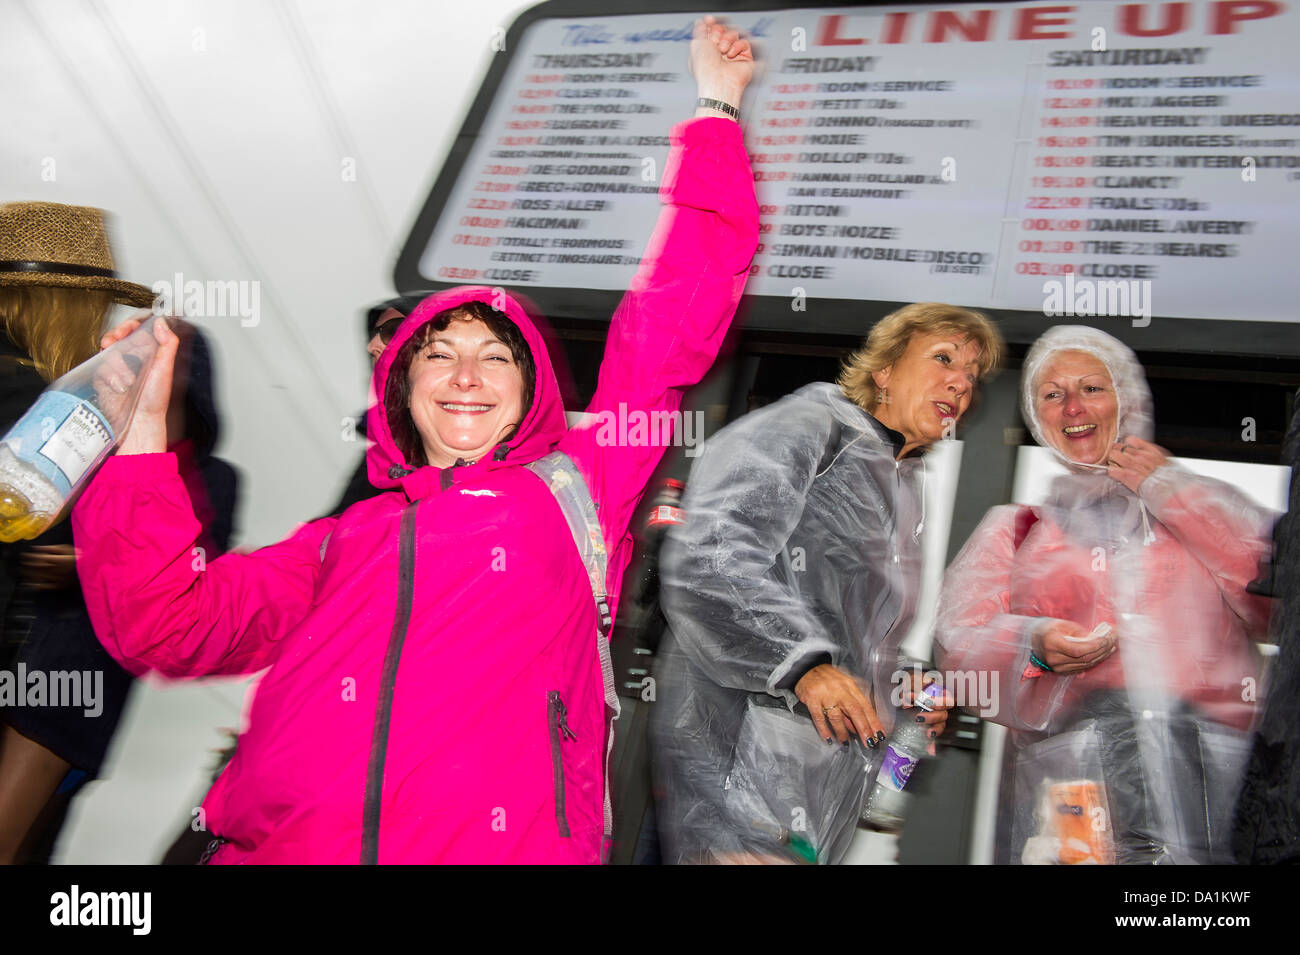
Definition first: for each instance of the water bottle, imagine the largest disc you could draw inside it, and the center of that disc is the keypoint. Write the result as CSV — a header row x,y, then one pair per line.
x,y
665,510
55,447
907,745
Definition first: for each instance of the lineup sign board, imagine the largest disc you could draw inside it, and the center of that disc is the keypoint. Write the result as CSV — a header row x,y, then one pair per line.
x,y
1128,161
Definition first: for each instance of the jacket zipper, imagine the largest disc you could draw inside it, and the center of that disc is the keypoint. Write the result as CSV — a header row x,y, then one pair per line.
x,y
384,710
211,849
558,718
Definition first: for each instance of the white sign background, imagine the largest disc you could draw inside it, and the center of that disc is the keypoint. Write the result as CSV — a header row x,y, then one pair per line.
x,y
915,153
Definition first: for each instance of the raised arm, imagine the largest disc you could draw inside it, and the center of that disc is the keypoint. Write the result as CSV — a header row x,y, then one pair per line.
x,y
1222,529
1219,526
670,324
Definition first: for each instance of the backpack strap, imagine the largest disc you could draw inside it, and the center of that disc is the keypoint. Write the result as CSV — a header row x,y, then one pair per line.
x,y
569,488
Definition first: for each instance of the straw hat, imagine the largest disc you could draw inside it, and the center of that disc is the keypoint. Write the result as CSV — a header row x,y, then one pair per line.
x,y
47,243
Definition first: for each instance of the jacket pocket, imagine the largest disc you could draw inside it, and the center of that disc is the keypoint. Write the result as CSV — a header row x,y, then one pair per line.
x,y
788,791
557,719
1062,814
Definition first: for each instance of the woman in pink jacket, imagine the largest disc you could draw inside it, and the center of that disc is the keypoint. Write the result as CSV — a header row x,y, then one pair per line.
x,y
435,689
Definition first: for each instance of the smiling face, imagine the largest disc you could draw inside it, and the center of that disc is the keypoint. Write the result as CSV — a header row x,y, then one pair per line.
x,y
1077,407
928,387
466,392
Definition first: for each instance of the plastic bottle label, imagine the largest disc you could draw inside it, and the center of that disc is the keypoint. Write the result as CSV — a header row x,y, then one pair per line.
x,y
895,770
666,514
62,436
78,442
929,696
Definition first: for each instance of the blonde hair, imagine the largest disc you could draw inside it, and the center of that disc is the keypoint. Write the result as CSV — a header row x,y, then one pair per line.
x,y
889,338
58,327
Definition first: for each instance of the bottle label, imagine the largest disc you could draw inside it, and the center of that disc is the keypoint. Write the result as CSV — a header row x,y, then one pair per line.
x,y
929,696
895,770
666,514
62,436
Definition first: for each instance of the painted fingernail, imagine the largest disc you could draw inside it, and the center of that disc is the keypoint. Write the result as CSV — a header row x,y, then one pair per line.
x,y
920,719
880,736
828,739
872,742
933,734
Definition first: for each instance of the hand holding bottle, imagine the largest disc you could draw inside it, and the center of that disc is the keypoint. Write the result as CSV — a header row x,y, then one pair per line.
x,y
147,431
54,449
927,708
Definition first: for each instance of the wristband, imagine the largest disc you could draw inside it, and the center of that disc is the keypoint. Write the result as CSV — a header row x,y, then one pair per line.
x,y
1039,663
719,105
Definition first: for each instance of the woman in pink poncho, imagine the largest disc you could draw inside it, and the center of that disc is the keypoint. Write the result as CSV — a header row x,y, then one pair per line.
x,y
1114,624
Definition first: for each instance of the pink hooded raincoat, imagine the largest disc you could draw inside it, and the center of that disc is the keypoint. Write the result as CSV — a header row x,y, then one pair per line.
x,y
475,730
1161,722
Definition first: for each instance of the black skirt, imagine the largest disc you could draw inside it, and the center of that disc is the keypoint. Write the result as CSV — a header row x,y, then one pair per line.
x,y
51,634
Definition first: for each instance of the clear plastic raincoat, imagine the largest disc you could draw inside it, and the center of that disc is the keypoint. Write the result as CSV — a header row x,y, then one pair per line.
x,y
1137,759
801,546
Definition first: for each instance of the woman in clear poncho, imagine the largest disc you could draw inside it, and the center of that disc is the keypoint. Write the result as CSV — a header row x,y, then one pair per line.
x,y
1116,625
789,590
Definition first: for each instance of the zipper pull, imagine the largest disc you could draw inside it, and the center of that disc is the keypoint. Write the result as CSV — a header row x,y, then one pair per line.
x,y
211,850
564,716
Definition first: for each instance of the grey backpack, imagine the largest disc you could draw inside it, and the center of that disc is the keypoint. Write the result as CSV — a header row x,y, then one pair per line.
x,y
570,490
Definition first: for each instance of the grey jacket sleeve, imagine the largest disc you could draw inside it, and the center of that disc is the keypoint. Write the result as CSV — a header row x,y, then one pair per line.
x,y
729,592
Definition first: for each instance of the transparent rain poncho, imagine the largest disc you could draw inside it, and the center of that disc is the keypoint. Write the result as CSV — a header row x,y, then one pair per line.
x,y
802,545
1137,759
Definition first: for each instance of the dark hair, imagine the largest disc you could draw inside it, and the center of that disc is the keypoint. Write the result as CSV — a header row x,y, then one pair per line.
x,y
397,393
401,303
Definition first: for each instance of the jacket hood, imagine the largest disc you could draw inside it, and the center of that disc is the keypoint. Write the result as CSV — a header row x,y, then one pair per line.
x,y
538,433
1131,391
